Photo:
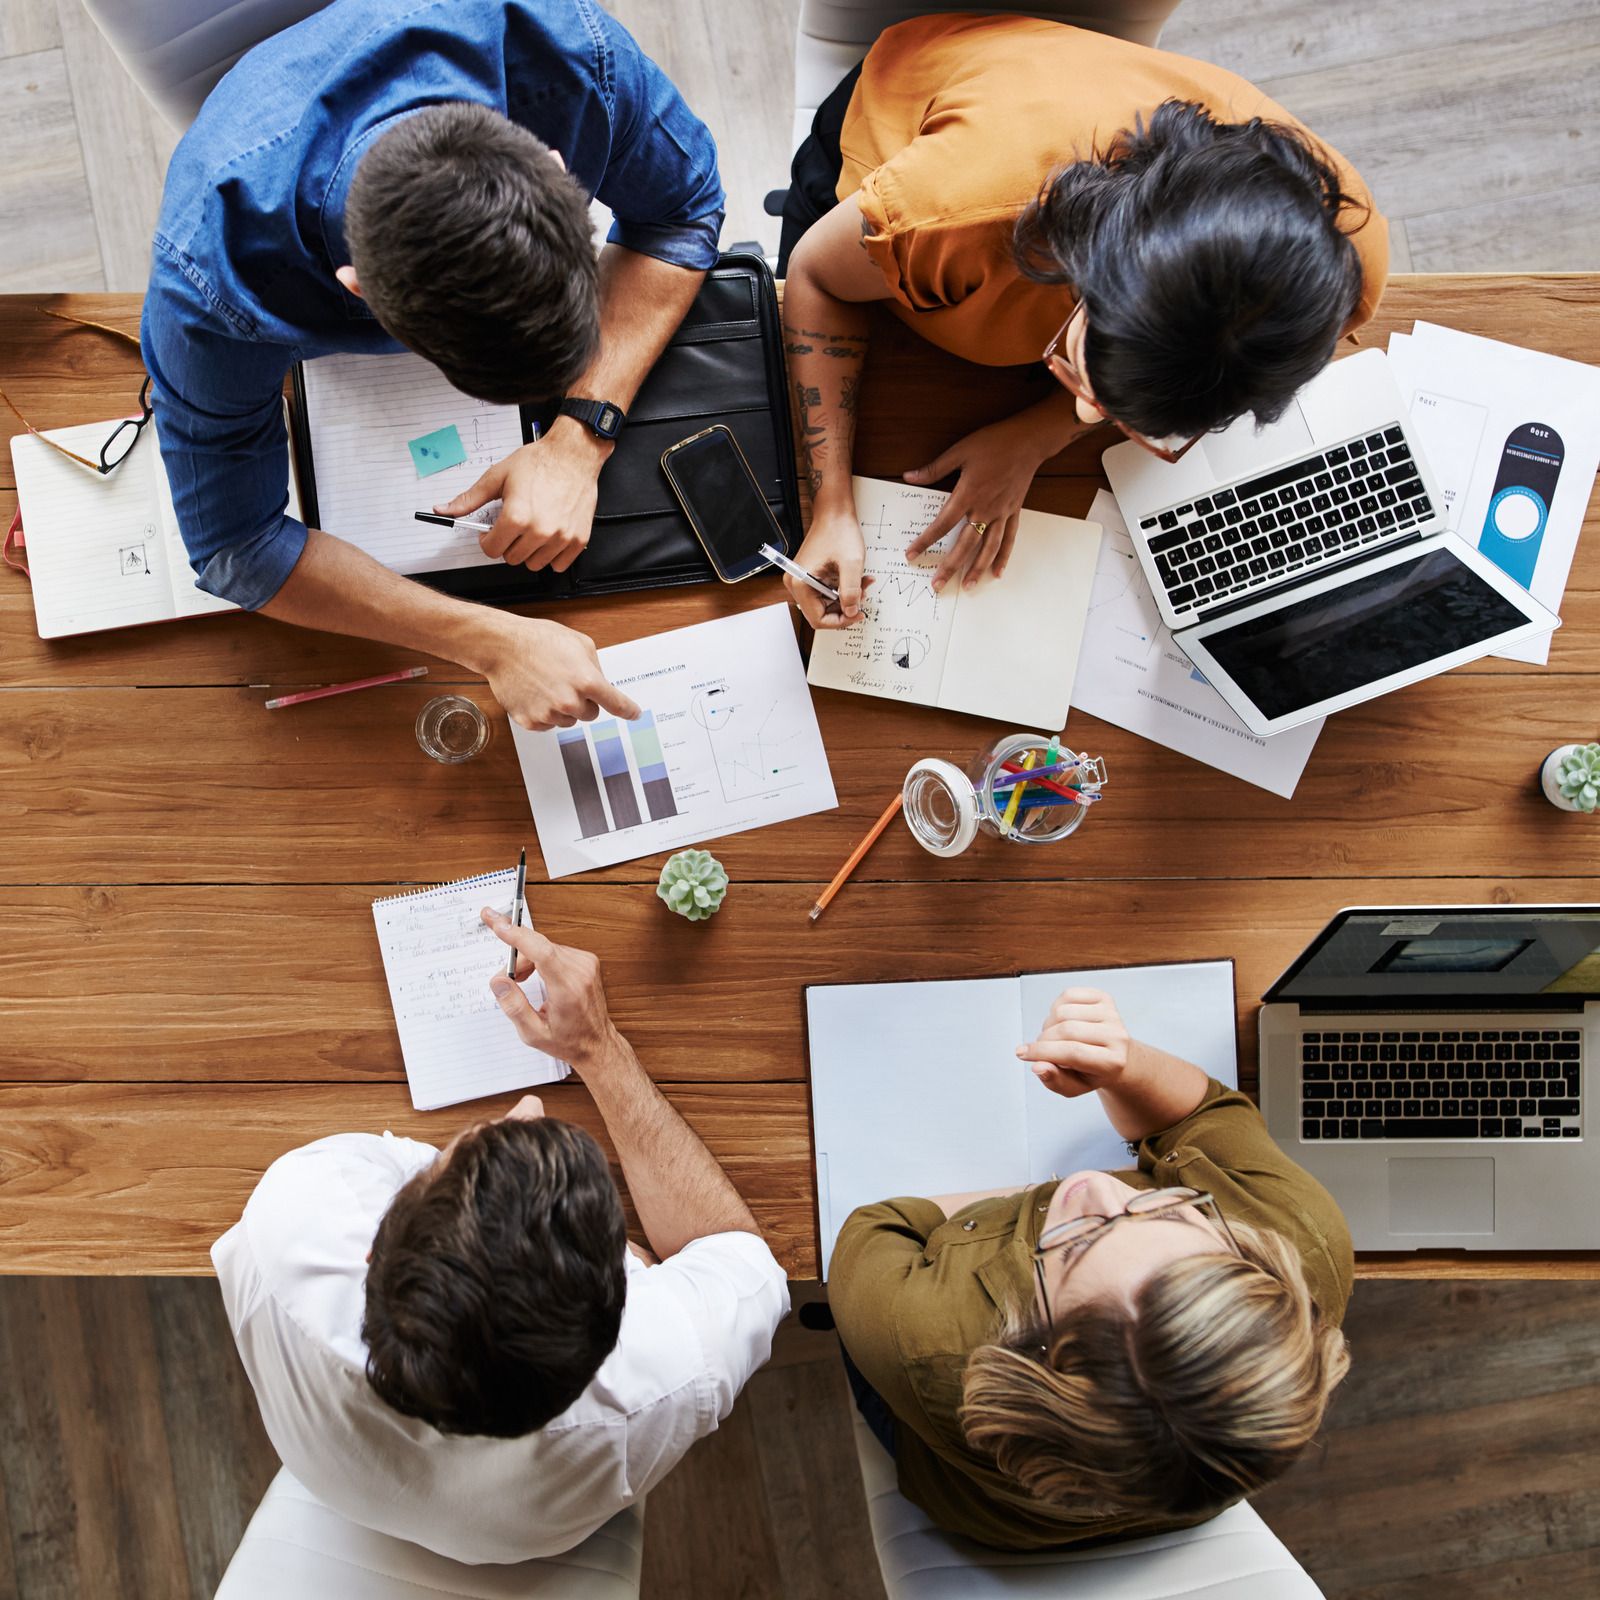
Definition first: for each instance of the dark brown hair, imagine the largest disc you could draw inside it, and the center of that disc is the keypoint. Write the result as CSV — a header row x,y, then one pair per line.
x,y
496,1282
1212,261
474,249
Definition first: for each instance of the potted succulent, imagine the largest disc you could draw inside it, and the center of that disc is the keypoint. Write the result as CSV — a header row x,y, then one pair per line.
x,y
693,883
1570,777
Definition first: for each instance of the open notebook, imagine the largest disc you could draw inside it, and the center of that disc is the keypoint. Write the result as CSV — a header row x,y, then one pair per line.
x,y
916,1088
438,957
1007,649
361,415
104,552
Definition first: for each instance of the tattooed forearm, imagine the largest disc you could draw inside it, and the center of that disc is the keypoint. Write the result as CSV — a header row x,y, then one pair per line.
x,y
812,433
849,390
848,346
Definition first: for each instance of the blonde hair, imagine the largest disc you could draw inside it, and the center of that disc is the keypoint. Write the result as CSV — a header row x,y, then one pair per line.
x,y
1207,1388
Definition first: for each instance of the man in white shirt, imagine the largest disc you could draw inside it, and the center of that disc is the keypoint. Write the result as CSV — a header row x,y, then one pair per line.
x,y
460,1348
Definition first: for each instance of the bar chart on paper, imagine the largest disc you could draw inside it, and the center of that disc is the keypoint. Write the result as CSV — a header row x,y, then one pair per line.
x,y
599,747
727,740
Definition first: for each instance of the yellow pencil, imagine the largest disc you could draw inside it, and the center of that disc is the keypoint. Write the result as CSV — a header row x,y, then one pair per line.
x,y
1016,791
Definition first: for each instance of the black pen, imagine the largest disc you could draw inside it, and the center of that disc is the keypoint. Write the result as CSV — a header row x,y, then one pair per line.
x,y
516,909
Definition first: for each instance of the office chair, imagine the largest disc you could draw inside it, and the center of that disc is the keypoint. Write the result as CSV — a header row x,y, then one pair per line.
x,y
296,1547
1234,1556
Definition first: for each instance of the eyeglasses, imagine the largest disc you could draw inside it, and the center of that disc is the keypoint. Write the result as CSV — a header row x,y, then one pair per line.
x,y
126,433
1161,1205
1071,379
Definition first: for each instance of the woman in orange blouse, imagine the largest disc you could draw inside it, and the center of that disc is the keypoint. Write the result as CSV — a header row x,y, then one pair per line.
x,y
1174,242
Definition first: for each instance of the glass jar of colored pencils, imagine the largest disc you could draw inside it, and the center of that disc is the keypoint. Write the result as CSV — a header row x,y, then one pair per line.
x,y
1024,788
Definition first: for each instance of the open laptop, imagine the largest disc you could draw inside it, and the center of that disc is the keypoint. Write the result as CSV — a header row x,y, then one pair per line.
x,y
1433,1068
1304,567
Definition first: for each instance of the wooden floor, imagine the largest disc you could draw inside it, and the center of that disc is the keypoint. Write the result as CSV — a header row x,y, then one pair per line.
x,y
1476,123
1460,1454
1458,1457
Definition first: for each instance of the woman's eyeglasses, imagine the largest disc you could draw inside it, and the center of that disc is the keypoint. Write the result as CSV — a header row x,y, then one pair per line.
x,y
1161,1205
126,433
1071,379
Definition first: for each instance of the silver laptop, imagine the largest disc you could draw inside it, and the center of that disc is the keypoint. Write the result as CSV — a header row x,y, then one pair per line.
x,y
1304,567
1432,1067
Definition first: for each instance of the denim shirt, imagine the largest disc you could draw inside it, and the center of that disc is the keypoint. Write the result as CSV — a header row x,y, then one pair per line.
x,y
251,229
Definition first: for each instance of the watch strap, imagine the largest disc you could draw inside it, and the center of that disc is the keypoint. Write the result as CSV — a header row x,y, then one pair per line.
x,y
600,416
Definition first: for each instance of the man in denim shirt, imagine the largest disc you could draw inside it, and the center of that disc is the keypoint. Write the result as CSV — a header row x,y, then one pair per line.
x,y
392,174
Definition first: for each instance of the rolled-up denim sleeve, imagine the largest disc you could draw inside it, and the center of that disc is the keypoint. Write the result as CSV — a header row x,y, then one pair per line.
x,y
218,398
661,182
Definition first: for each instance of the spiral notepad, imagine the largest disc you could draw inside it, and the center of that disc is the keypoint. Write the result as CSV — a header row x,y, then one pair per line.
x,y
438,957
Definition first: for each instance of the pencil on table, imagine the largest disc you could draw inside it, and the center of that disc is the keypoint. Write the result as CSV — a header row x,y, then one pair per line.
x,y
890,812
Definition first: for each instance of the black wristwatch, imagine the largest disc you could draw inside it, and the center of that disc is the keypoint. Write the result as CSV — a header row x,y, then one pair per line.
x,y
600,416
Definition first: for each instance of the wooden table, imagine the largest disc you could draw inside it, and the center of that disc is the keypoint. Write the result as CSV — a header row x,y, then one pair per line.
x,y
188,978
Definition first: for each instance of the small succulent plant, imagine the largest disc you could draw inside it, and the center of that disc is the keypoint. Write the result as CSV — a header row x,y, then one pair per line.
x,y
693,883
1578,776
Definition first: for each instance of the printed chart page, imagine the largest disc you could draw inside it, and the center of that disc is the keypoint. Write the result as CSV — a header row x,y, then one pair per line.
x,y
915,1090
1132,674
438,957
727,740
391,437
1513,438
98,548
897,650
1185,1008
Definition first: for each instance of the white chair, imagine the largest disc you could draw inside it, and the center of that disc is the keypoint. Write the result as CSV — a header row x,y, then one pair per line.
x,y
176,50
835,34
297,1549
1235,1556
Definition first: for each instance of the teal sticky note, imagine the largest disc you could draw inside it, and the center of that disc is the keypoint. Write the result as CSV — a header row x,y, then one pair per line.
x,y
435,451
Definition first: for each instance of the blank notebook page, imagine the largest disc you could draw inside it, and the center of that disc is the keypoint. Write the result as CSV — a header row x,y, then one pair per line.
x,y
439,957
362,412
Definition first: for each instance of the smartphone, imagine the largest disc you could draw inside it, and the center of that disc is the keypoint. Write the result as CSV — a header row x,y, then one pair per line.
x,y
723,502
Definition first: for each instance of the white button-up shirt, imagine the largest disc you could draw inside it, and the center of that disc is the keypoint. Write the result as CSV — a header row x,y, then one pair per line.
x,y
293,1274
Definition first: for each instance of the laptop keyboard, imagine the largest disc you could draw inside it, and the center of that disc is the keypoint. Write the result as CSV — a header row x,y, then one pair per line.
x,y
1356,495
1469,1083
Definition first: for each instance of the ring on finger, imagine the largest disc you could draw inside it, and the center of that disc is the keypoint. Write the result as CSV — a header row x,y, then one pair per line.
x,y
979,528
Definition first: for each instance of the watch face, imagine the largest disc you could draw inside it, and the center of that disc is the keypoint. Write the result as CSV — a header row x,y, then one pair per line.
x,y
609,419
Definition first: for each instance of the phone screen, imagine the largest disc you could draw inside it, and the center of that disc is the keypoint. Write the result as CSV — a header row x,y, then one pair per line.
x,y
724,502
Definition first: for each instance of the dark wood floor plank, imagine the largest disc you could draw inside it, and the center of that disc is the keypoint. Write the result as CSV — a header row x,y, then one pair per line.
x,y
41,1515
1561,1575
707,1528
101,1361
222,1460
812,1484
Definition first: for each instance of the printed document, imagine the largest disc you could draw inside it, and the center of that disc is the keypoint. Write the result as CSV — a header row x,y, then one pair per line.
x,y
1513,438
727,740
1132,674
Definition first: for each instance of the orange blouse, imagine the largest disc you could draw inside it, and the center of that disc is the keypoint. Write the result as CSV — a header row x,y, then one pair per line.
x,y
956,123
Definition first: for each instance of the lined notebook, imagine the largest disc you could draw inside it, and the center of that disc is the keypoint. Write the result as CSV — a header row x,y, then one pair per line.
x,y
105,552
361,414
1007,649
438,957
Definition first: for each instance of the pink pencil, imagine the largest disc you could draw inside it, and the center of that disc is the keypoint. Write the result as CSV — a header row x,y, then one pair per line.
x,y
346,688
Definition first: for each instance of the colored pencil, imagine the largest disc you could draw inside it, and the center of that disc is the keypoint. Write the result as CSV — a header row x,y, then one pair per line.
x,y
1022,775
346,688
890,812
1016,794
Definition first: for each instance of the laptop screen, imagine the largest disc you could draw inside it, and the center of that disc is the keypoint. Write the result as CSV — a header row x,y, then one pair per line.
x,y
1384,622
1543,954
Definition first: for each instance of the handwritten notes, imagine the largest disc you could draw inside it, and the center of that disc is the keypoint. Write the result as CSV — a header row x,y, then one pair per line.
x,y
438,957
1007,648
366,416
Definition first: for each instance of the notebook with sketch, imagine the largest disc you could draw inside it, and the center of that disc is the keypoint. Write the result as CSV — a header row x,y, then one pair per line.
x,y
438,957
916,1088
369,428
1007,649
104,552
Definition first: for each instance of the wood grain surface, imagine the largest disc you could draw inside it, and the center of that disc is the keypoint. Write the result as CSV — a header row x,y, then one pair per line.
x,y
188,979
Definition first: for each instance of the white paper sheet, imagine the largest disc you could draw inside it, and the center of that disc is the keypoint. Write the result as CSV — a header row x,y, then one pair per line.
x,y
1006,649
362,410
916,1088
727,741
438,957
1468,396
1131,673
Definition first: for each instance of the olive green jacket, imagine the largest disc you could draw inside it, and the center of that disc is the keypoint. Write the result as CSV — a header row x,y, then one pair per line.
x,y
914,1293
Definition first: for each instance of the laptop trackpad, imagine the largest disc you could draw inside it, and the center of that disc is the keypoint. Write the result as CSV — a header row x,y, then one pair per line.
x,y
1441,1194
1242,448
